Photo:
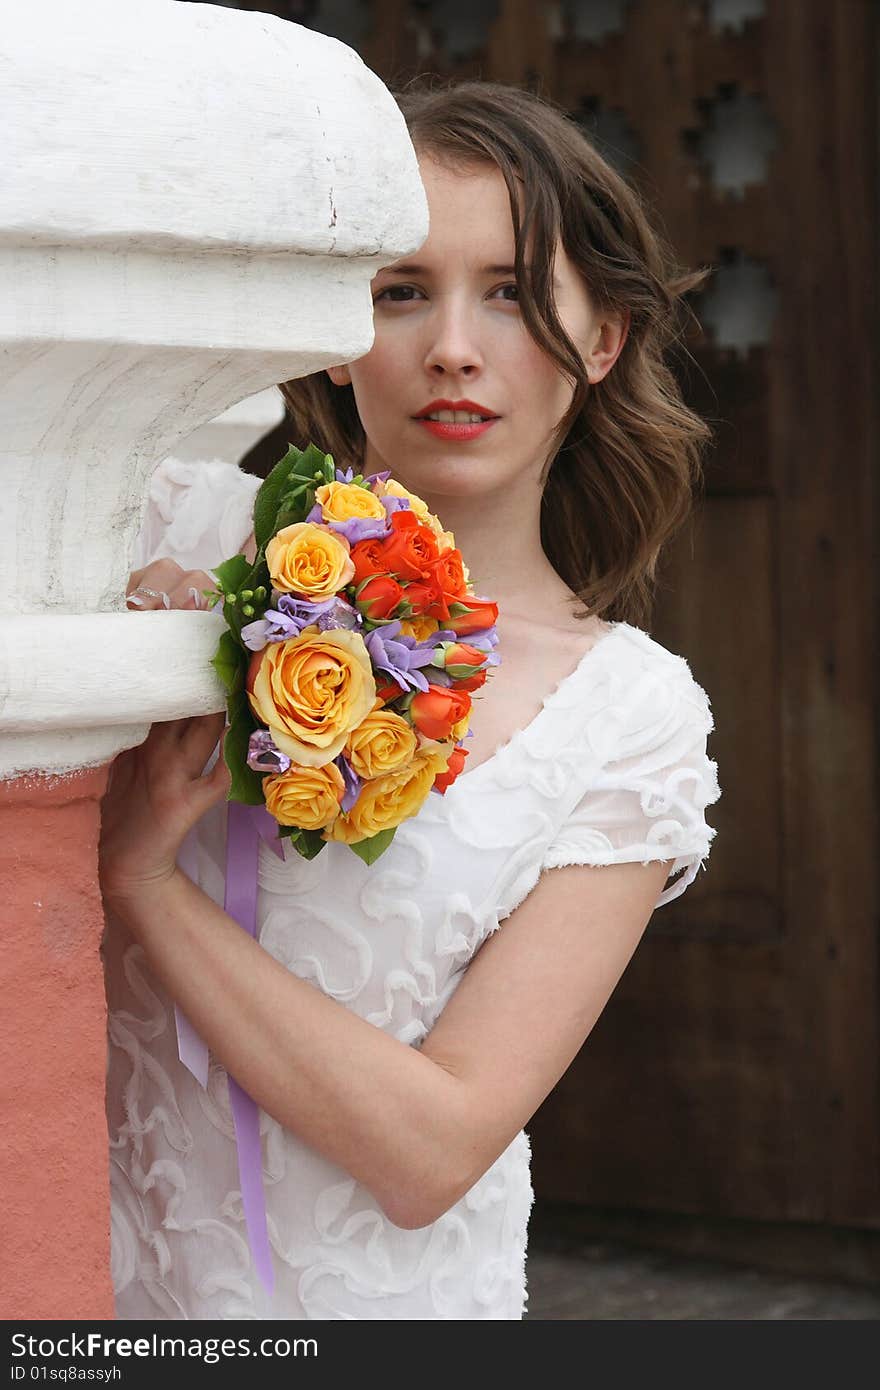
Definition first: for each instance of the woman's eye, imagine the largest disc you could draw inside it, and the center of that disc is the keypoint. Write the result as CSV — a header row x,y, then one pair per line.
x,y
397,290
512,285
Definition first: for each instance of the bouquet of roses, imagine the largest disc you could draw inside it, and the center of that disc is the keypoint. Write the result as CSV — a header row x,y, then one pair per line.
x,y
354,643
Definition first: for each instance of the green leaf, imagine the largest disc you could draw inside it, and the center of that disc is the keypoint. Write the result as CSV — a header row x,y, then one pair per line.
x,y
247,785
291,515
267,498
297,466
309,843
252,577
229,663
232,573
370,849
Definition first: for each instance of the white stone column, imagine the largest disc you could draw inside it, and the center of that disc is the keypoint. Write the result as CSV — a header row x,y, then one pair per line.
x,y
194,201
192,205
235,431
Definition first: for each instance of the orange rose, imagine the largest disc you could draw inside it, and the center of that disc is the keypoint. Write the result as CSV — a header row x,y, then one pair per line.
x,y
311,692
473,682
425,599
460,660
367,558
444,780
389,692
410,549
478,615
436,711
378,597
449,573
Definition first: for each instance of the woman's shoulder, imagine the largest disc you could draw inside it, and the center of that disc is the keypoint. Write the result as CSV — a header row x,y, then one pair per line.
x,y
653,684
639,650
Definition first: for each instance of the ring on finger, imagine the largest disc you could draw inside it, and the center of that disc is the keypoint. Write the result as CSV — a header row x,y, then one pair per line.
x,y
151,593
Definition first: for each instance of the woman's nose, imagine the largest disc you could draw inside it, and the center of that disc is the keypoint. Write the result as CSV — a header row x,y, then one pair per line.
x,y
453,345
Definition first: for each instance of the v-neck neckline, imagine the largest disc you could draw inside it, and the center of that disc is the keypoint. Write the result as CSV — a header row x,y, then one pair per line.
x,y
548,700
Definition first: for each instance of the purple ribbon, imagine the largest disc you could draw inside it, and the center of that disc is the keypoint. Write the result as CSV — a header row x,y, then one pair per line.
x,y
246,826
192,1052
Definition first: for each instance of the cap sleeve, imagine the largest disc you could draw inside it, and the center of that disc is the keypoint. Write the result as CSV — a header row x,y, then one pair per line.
x,y
198,513
648,801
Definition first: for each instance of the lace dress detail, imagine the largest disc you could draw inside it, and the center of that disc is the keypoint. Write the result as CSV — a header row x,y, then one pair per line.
x,y
613,769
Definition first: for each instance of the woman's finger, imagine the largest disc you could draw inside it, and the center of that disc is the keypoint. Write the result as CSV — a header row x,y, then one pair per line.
x,y
214,786
164,584
198,740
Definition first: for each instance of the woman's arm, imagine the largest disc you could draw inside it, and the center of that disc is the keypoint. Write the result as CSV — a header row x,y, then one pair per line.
x,y
373,1105
416,1127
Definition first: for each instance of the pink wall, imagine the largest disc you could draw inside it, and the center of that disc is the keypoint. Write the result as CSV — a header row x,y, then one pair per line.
x,y
55,1251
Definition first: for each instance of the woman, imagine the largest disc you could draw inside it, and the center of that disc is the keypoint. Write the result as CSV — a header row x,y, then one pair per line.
x,y
395,1040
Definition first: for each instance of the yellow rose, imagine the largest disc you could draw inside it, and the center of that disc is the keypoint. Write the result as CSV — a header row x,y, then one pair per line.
x,y
395,489
460,729
307,797
311,692
345,501
386,801
382,743
310,560
417,505
419,628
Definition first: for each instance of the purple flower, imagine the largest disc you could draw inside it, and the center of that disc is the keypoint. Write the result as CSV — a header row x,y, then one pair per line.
x,y
351,780
395,504
291,615
256,635
358,528
361,528
400,656
484,641
263,756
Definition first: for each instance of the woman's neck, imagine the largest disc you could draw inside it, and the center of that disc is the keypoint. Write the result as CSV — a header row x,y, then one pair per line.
x,y
500,541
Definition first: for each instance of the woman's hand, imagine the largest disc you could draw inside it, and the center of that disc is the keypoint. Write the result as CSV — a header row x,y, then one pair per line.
x,y
155,794
165,580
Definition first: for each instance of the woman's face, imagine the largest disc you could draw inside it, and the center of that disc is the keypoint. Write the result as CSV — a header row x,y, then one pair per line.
x,y
448,329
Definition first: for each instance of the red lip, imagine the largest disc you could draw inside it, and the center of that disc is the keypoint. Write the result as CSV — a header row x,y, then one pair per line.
x,y
448,430
456,405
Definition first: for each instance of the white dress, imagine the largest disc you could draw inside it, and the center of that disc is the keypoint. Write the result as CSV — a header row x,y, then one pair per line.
x,y
613,769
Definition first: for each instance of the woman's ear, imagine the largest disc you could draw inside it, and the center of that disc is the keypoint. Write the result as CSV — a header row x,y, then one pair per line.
x,y
340,376
608,346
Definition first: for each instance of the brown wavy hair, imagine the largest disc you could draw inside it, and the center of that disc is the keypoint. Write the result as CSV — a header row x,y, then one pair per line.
x,y
627,455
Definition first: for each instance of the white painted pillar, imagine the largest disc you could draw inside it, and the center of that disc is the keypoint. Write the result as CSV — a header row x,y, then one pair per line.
x,y
233,433
193,203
